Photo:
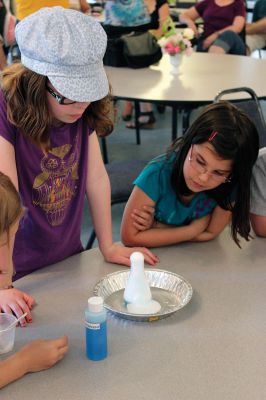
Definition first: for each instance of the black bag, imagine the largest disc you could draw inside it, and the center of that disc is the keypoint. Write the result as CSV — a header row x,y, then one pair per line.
x,y
114,55
141,49
134,50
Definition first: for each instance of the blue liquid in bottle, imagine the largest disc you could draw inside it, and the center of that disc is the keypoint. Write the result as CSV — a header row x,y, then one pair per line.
x,y
96,329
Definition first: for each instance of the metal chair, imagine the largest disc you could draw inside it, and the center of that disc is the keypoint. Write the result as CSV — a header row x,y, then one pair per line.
x,y
251,106
122,175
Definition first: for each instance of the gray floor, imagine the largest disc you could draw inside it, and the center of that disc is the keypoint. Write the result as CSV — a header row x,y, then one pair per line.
x,y
122,145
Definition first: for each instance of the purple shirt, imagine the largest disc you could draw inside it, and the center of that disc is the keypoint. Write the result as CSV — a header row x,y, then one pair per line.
x,y
52,188
216,17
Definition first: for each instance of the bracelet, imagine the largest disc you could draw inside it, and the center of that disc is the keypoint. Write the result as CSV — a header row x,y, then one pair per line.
x,y
7,287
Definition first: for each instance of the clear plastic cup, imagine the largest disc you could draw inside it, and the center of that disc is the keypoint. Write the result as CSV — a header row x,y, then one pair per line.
x,y
7,335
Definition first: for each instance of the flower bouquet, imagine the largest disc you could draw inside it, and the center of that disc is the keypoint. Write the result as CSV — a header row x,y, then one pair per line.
x,y
176,44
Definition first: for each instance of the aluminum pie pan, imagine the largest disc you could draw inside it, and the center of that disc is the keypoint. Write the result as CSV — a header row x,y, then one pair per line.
x,y
172,291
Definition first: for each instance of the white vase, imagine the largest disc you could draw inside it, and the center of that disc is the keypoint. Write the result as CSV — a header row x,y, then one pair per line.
x,y
175,61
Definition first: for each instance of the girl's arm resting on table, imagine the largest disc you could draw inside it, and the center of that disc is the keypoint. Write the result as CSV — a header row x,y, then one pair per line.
x,y
189,17
155,237
219,219
36,356
99,197
258,223
11,300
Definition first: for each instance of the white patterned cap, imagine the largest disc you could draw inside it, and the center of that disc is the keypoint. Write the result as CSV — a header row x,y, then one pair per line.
x,y
67,47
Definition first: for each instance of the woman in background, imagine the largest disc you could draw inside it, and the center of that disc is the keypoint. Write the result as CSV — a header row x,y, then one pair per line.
x,y
224,20
125,16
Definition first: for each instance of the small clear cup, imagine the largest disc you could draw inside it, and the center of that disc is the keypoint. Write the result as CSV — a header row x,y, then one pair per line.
x,y
7,335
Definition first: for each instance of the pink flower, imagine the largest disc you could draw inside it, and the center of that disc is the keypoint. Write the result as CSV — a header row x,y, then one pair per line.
x,y
169,47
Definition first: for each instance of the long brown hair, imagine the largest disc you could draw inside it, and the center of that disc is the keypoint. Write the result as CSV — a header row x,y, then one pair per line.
x,y
237,140
27,106
10,204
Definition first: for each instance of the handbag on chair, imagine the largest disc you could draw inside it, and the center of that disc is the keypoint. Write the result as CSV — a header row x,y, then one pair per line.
x,y
140,49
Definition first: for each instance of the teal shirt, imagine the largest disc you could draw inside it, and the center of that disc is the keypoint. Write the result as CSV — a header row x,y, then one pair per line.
x,y
155,181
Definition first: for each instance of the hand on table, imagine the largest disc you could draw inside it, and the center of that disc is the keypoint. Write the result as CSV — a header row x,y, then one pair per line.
x,y
42,354
17,302
119,254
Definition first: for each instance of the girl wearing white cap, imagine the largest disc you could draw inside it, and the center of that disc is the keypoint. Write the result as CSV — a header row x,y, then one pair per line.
x,y
51,106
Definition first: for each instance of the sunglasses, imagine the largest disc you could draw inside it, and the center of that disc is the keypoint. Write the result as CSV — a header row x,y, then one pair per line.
x,y
60,99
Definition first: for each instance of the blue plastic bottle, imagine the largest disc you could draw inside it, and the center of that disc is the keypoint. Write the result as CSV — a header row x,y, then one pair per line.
x,y
96,329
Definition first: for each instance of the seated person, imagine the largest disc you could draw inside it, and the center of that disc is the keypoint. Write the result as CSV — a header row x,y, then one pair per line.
x,y
199,186
258,195
256,31
39,354
223,21
141,16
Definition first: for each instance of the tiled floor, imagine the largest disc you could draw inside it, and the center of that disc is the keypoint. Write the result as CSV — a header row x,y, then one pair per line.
x,y
122,145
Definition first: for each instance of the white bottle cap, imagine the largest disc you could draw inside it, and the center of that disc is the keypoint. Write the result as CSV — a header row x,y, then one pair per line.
x,y
95,304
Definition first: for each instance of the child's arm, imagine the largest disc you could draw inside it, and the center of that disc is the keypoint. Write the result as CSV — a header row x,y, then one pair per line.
x,y
98,193
154,237
34,357
219,219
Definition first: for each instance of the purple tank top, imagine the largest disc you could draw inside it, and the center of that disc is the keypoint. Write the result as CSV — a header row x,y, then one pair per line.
x,y
52,188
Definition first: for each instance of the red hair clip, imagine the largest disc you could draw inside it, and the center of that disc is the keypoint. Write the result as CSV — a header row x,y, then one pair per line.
x,y
212,136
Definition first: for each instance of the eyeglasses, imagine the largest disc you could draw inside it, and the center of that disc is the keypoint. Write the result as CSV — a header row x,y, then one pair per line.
x,y
60,99
200,167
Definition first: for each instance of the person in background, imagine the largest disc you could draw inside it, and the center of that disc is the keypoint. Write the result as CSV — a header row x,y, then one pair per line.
x,y
52,106
159,12
199,186
258,195
140,16
27,7
7,31
38,354
256,31
223,21
3,61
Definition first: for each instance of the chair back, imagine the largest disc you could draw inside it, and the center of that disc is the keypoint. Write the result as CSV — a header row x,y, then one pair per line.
x,y
251,106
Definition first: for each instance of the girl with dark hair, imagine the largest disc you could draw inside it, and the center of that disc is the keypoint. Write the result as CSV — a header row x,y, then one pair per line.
x,y
192,192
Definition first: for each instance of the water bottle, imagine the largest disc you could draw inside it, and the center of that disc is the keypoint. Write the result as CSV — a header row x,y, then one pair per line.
x,y
96,329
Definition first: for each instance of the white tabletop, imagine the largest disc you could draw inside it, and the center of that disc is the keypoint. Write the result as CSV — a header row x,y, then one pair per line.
x,y
213,349
201,77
